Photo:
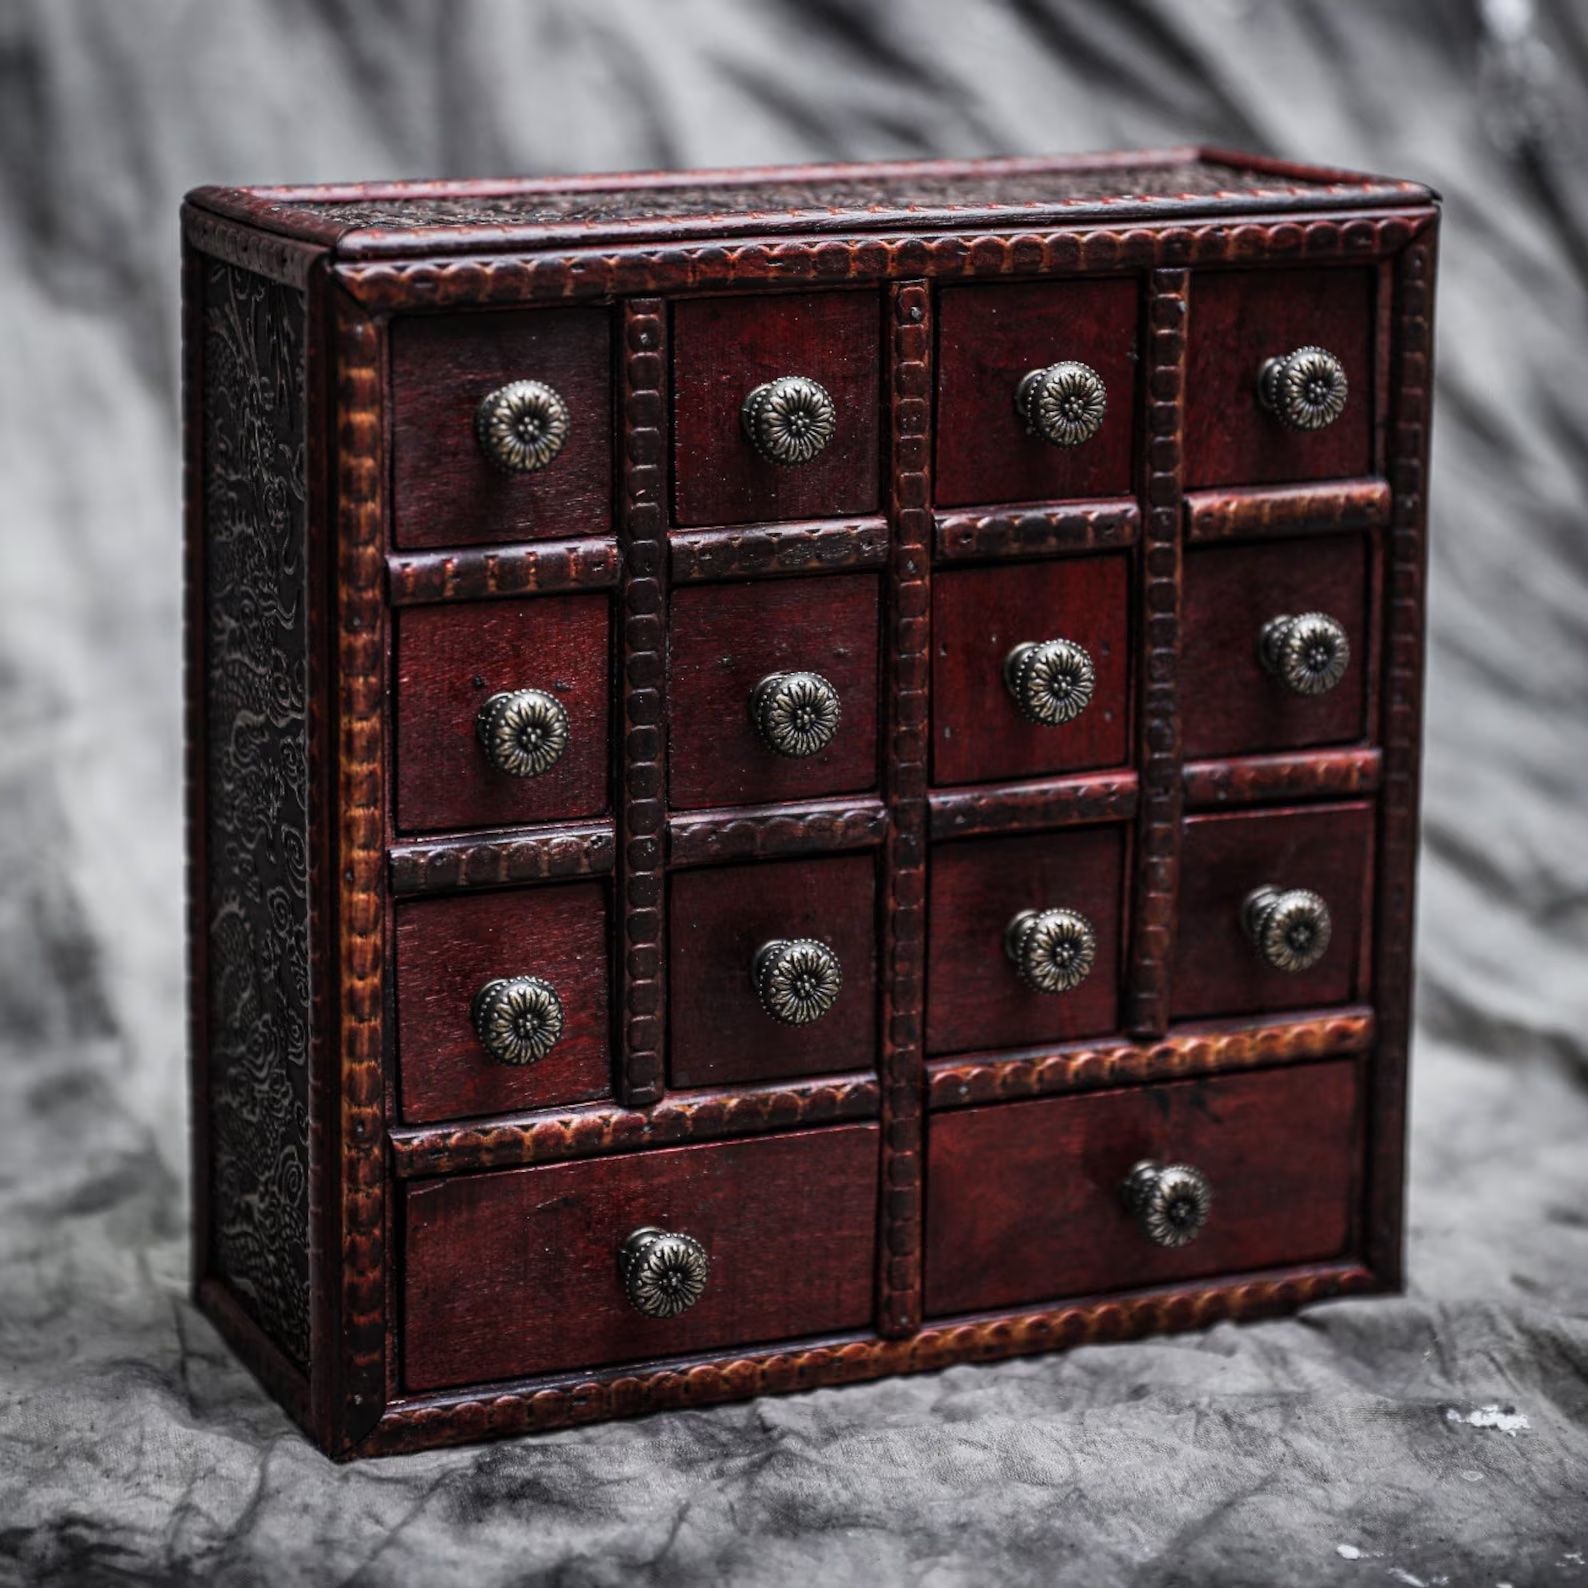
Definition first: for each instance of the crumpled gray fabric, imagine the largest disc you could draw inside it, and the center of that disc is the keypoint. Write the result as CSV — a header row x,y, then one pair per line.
x,y
1437,1438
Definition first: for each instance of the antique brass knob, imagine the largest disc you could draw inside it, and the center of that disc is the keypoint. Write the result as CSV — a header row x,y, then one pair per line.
x,y
663,1275
796,714
1290,927
1064,403
797,979
524,731
1052,950
1051,680
1308,652
1170,1201
1304,390
521,426
518,1019
789,420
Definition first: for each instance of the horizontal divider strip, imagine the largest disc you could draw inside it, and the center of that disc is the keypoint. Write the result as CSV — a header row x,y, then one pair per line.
x,y
1202,1049
696,556
702,838
1235,512
594,1129
479,573
1103,525
1018,807
480,860
1315,774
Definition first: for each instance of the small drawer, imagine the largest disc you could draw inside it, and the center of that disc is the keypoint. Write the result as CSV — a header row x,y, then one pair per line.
x,y
1027,1202
1239,321
542,755
817,443
991,443
1274,910
773,691
1066,708
1023,939
541,1040
1275,638
458,479
773,971
521,1271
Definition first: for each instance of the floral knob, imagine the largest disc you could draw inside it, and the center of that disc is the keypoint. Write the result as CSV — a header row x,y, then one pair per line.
x,y
789,420
1064,403
796,714
1305,389
1290,927
1308,653
518,1019
523,731
1170,1201
663,1274
797,979
1051,680
521,426
1052,951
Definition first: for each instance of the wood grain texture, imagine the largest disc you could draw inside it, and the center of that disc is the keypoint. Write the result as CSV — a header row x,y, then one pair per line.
x,y
718,1033
1252,511
988,338
772,550
1250,780
516,1272
979,615
723,640
446,865
1024,1198
723,349
1038,532
1022,807
416,578
446,491
706,838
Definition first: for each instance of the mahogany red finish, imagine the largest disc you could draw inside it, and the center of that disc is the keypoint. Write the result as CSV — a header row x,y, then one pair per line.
x,y
413,1244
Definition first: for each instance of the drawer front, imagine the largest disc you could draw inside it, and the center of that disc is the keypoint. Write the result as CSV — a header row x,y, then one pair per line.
x,y
449,948
722,1031
1024,1200
1327,851
448,489
1239,320
452,660
729,744
982,722
976,995
1235,701
989,338
516,1272
723,349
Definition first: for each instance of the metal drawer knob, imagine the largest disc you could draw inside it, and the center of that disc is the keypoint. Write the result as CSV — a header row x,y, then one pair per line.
x,y
663,1275
789,420
1052,950
1290,927
1308,652
518,1019
524,731
796,714
1304,390
1051,680
522,426
797,979
1170,1201
1064,403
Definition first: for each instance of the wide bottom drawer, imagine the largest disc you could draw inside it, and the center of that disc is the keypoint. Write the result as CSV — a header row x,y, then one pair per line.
x,y
517,1271
1026,1203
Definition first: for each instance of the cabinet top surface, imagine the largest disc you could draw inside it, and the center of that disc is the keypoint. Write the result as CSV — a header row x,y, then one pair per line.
x,y
446,216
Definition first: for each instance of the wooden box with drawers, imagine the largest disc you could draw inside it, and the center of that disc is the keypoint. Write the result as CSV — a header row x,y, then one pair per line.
x,y
795,775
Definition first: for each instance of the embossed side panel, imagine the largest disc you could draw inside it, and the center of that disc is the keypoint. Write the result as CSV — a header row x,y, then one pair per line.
x,y
256,727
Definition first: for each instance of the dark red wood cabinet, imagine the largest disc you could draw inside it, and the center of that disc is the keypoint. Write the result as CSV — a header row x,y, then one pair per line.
x,y
794,775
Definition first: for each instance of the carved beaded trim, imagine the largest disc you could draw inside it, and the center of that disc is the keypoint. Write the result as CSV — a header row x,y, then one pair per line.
x,y
797,979
518,1019
524,731
522,426
796,714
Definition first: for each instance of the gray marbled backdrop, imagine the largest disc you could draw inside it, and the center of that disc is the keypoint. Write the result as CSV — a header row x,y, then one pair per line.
x,y
1340,1447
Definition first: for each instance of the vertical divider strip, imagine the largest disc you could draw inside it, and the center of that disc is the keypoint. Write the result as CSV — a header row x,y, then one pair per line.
x,y
1157,857
642,777
908,658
